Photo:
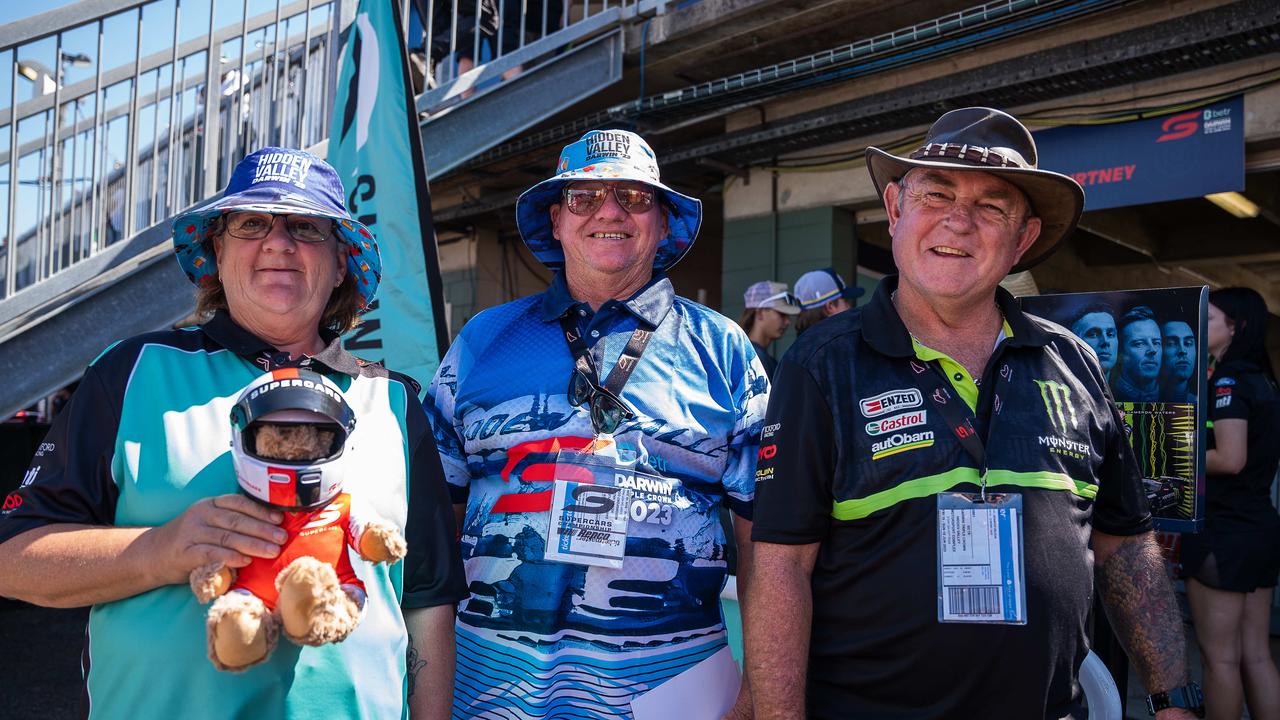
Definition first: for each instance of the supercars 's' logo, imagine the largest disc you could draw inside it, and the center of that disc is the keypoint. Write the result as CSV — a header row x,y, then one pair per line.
x,y
1176,127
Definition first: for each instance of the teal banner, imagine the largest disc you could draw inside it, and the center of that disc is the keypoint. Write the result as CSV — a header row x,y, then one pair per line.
x,y
376,147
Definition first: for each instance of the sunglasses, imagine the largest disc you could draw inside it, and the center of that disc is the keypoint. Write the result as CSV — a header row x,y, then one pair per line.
x,y
255,226
584,201
786,298
607,410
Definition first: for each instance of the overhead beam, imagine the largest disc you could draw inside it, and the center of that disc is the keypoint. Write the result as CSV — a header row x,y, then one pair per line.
x,y
1235,275
1184,44
1124,227
463,131
1218,260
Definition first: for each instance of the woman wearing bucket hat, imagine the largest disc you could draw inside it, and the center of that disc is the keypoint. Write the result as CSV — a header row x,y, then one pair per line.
x,y
134,487
591,433
937,404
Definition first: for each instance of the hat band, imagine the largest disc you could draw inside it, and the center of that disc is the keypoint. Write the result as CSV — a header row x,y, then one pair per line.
x,y
968,153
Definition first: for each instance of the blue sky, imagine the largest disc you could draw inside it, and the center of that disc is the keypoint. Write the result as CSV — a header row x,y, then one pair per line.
x,y
10,11
119,48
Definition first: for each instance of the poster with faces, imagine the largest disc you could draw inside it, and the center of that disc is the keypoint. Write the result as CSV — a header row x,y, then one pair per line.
x,y
1149,345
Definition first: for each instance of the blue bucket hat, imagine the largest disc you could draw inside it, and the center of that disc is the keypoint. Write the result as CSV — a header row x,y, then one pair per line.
x,y
606,155
280,181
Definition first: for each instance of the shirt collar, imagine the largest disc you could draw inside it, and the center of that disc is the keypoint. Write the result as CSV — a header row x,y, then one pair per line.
x,y
885,332
224,331
650,303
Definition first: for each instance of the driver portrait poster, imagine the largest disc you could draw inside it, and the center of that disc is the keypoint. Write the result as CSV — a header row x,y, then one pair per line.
x,y
1150,346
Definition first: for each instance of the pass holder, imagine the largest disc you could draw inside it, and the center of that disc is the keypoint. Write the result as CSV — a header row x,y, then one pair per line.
x,y
589,513
981,572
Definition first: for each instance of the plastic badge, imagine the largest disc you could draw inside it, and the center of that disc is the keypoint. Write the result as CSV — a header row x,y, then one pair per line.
x,y
980,559
589,512
601,498
588,524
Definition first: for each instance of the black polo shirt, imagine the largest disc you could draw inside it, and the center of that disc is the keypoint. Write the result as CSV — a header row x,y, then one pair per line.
x,y
1241,502
854,452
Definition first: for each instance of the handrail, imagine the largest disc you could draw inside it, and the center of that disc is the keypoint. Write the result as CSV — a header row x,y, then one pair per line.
x,y
94,159
143,136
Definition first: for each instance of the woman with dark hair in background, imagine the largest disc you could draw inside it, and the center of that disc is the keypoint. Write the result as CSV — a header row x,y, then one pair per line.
x,y
1231,567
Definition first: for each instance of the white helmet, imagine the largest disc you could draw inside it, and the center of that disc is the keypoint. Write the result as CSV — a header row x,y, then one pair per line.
x,y
290,396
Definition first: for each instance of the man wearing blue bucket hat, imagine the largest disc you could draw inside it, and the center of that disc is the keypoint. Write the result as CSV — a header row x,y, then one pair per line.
x,y
135,485
590,434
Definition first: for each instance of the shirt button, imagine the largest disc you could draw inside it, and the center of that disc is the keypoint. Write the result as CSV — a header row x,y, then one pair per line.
x,y
595,333
959,377
582,313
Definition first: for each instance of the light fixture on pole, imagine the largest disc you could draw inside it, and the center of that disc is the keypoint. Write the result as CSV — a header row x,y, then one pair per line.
x,y
1235,203
42,79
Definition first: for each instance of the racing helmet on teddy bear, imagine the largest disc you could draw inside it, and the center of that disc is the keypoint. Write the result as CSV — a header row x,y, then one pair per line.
x,y
290,397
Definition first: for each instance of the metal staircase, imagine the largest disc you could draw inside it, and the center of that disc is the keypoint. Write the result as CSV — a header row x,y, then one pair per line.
x,y
116,115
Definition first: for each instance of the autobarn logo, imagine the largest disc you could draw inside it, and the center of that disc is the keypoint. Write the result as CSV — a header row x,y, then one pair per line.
x,y
901,442
897,422
891,401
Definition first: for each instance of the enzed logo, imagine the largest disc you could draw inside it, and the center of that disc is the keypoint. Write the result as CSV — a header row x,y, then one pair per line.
x,y
890,401
1057,404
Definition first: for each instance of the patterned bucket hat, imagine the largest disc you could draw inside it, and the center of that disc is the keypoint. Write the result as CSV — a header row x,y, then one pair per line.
x,y
606,155
280,181
991,141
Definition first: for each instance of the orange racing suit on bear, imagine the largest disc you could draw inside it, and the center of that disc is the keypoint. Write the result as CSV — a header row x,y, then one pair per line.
x,y
323,533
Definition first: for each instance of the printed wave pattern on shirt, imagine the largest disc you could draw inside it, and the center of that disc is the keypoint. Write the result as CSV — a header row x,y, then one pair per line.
x,y
569,678
501,415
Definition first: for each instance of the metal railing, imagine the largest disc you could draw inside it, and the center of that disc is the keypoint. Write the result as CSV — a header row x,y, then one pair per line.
x,y
460,47
121,113
117,114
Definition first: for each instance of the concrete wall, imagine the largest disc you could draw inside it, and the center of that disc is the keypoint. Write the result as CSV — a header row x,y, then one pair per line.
x,y
783,246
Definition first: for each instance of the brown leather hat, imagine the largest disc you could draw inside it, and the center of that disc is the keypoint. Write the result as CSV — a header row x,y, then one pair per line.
x,y
988,140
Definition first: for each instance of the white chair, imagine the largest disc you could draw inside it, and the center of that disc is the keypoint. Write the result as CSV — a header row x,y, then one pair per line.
x,y
1100,690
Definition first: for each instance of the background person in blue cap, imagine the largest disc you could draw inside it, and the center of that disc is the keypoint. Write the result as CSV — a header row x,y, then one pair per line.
x,y
134,486
823,293
665,394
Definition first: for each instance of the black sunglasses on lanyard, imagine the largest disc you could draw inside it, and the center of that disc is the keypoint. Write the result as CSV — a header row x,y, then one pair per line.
x,y
604,402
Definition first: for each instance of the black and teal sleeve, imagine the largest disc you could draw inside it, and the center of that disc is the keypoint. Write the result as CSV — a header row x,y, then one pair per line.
x,y
796,466
69,479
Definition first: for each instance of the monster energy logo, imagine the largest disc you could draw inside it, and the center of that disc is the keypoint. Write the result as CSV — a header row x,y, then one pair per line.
x,y
1057,403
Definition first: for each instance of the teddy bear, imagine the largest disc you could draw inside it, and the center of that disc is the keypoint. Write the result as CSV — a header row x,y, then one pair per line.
x,y
289,432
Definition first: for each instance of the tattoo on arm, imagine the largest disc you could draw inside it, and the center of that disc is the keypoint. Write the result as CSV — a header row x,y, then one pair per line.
x,y
414,663
1140,603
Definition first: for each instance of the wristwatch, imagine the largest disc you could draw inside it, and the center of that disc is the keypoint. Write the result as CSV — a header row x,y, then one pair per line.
x,y
1188,697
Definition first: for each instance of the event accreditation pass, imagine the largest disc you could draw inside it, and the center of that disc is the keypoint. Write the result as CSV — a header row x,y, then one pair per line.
x,y
980,559
588,524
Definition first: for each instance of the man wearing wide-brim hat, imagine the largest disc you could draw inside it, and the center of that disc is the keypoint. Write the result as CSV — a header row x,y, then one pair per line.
x,y
948,474
590,434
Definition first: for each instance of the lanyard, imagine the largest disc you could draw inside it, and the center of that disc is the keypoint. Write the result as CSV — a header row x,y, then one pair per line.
x,y
627,362
955,412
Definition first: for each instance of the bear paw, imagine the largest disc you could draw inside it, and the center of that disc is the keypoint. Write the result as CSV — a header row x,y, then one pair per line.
x,y
382,543
241,632
211,581
313,606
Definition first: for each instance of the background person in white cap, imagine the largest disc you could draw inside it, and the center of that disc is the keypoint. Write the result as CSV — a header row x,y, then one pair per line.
x,y
901,432
823,293
768,314
134,486
664,397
